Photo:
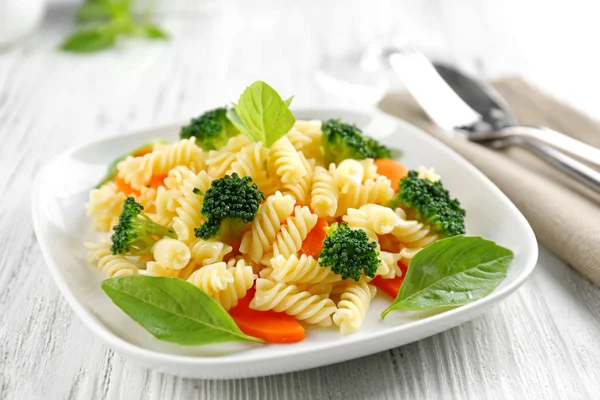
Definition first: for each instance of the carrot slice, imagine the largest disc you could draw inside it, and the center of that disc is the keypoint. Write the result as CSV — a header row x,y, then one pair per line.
x,y
391,286
313,244
143,152
271,326
157,180
124,187
391,169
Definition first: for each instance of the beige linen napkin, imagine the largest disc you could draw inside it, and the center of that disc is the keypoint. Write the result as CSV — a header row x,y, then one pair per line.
x,y
564,215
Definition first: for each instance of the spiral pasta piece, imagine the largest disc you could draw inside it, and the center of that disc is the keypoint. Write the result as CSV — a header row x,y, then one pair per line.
x,y
296,270
205,252
412,232
324,193
212,278
250,162
154,268
388,267
167,202
312,130
370,169
378,190
257,241
301,190
284,161
353,305
189,216
104,206
137,171
294,231
243,279
373,219
348,174
111,265
427,173
305,306
171,253
219,161
177,175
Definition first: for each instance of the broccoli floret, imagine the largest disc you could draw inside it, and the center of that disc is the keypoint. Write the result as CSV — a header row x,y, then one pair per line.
x,y
342,141
229,205
349,252
212,129
431,203
136,233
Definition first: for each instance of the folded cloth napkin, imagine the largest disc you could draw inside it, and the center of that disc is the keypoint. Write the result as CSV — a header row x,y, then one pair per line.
x,y
564,214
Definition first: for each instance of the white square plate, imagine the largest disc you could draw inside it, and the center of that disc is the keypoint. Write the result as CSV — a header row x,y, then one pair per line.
x,y
61,191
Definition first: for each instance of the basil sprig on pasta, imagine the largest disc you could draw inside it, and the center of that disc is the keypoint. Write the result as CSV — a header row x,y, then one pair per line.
x,y
261,114
174,310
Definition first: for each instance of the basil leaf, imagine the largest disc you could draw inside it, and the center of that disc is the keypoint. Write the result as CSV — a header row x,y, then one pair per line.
x,y
452,272
174,310
288,101
93,12
265,117
89,40
150,31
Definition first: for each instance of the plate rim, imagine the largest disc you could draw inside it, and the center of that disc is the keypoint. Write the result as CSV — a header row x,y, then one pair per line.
x,y
121,345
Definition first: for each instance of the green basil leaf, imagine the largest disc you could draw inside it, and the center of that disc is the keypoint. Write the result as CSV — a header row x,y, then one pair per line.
x,y
452,272
89,40
150,31
288,101
264,115
174,310
93,12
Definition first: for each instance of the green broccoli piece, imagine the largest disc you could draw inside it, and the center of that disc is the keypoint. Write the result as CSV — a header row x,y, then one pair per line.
x,y
136,233
342,141
431,203
229,205
212,129
349,252
112,167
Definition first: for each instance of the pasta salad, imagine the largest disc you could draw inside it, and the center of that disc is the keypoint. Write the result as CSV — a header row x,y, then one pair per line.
x,y
255,225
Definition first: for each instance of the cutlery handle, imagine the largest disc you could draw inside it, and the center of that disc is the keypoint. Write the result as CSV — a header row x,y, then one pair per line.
x,y
557,140
562,161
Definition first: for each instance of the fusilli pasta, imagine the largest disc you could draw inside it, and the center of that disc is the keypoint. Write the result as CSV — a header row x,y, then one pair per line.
x,y
289,239
104,206
111,265
171,253
257,241
305,306
324,193
137,171
352,308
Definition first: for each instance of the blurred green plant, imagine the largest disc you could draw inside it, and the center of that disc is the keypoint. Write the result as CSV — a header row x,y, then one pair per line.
x,y
103,22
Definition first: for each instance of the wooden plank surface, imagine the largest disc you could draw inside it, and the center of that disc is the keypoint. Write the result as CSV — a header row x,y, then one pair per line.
x,y
543,342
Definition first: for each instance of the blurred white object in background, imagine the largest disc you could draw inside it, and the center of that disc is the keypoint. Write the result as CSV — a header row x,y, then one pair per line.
x,y
18,18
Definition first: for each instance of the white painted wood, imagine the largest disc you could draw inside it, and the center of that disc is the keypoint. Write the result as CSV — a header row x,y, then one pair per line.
x,y
542,343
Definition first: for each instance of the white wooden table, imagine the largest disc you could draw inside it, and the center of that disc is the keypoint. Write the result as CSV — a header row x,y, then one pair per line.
x,y
542,343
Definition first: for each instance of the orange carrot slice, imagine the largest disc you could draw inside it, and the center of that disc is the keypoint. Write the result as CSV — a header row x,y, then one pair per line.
x,y
124,187
312,245
391,286
271,326
157,180
391,169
